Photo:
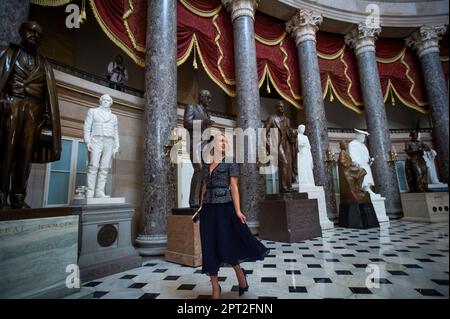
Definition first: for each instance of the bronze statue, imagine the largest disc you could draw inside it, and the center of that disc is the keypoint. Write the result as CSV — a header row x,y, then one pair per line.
x,y
351,178
197,112
30,129
286,144
416,168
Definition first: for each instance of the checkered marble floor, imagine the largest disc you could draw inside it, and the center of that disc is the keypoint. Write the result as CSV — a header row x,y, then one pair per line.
x,y
411,259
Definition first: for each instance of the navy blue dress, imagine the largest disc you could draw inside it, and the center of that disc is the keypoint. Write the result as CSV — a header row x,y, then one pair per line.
x,y
224,238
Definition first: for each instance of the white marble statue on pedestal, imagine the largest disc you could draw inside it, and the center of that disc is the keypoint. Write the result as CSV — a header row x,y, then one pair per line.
x,y
433,180
429,157
101,135
306,182
360,156
304,159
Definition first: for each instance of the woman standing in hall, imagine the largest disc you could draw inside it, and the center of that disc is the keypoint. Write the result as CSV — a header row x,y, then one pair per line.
x,y
225,236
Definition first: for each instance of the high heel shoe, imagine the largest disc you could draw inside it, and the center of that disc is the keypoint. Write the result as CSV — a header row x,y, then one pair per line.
x,y
242,290
220,291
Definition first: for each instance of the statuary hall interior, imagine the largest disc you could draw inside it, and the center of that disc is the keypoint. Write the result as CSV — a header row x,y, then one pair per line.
x,y
102,197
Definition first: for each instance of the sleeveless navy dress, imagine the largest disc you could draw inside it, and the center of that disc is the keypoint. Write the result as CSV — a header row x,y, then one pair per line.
x,y
224,238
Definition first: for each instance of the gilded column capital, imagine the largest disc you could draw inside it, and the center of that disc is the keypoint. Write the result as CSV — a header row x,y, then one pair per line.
x,y
304,25
426,39
362,39
239,8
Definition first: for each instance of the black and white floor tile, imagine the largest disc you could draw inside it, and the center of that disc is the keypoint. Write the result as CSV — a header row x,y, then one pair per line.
x,y
410,260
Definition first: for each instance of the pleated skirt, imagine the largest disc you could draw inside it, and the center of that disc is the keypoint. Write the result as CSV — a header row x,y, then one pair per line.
x,y
225,239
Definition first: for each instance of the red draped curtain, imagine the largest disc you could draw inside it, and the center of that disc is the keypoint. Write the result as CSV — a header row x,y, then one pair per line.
x,y
205,29
125,23
276,57
205,32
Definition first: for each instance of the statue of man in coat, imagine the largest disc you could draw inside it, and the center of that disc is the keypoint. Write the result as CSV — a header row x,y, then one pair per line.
x,y
30,130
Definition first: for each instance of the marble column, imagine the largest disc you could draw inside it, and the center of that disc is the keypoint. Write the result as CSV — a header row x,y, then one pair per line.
x,y
303,27
362,40
12,14
247,97
426,42
159,186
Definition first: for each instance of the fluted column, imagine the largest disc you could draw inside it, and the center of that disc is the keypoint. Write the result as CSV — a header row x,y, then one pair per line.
x,y
362,40
159,193
303,27
12,14
426,42
247,98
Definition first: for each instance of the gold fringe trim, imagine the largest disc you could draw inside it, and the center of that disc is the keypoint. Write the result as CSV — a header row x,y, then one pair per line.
x,y
266,73
331,56
444,58
210,74
420,104
194,62
201,13
270,42
50,3
192,45
393,59
391,87
288,80
356,103
221,55
186,55
125,17
114,38
329,86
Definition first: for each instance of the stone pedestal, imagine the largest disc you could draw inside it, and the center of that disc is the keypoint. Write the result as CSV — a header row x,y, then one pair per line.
x,y
106,246
183,238
316,192
441,187
357,215
425,207
380,209
38,253
99,201
289,217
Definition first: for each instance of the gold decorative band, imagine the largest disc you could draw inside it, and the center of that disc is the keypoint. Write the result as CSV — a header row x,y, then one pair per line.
x,y
50,3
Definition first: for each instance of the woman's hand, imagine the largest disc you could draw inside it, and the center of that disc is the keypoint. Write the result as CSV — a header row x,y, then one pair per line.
x,y
241,217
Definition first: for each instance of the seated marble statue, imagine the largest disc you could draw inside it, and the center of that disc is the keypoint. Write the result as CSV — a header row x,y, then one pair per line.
x,y
351,178
360,154
304,159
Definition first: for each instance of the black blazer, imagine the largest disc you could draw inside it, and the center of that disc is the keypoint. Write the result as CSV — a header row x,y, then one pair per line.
x,y
218,182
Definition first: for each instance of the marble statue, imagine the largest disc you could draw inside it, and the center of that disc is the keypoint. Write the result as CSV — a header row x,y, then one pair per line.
x,y
416,167
429,157
285,147
30,129
359,153
101,135
197,112
305,163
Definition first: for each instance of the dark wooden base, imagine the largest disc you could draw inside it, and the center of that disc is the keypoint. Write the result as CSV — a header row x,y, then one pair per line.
x,y
289,217
360,216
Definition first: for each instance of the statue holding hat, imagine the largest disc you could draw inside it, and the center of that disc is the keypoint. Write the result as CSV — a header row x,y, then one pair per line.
x,y
30,130
361,158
